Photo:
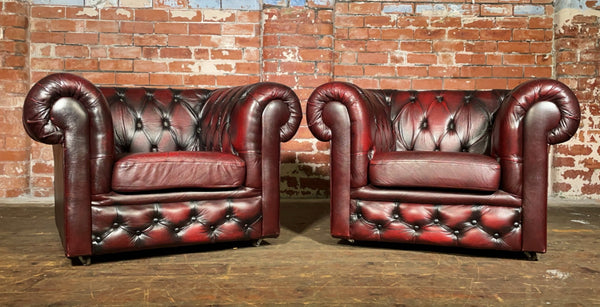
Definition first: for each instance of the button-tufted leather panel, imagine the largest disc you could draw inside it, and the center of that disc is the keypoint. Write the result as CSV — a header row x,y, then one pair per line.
x,y
452,121
428,169
152,120
178,170
119,228
477,226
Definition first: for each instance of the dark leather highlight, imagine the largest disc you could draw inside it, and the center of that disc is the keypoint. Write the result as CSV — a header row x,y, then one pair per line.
x,y
430,169
511,129
178,170
236,130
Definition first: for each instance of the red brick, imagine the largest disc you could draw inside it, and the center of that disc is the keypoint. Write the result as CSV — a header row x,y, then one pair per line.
x,y
120,13
176,53
490,83
379,21
380,71
434,34
476,71
348,70
125,52
151,15
166,79
444,71
242,42
421,58
137,27
349,21
102,26
226,54
133,78
47,37
81,64
298,68
459,84
415,46
150,40
48,12
47,64
72,51
200,80
350,45
315,54
81,38
315,29
234,80
149,66
362,8
467,34
481,46
529,34
100,78
247,68
538,72
116,65
183,40
509,72
17,34
519,59
393,83
372,57
412,71
171,28
82,13
496,34
239,29
376,46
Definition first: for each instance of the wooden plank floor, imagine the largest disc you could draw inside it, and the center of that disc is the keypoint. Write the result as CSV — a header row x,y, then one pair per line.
x,y
303,266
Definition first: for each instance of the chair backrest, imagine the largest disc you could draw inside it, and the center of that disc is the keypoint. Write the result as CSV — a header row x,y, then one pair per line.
x,y
152,120
451,121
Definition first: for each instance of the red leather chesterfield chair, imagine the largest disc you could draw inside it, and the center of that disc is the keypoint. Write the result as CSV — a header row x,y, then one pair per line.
x,y
448,168
139,168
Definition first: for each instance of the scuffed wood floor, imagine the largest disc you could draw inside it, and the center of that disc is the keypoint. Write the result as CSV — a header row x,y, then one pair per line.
x,y
303,266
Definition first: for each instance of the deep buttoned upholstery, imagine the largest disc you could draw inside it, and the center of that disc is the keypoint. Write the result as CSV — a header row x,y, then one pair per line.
x,y
139,168
453,168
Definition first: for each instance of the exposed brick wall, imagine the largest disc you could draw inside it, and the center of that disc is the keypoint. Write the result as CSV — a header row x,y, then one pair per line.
x,y
302,43
298,52
576,165
14,82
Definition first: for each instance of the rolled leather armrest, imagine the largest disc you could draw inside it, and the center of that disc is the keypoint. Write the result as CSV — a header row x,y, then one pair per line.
x,y
40,114
540,111
369,122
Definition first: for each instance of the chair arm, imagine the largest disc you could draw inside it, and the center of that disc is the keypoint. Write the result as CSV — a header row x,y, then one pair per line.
x,y
40,114
69,112
235,120
516,127
369,122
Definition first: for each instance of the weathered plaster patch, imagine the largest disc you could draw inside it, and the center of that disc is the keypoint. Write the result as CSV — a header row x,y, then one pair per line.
x,y
566,10
88,11
124,12
216,15
189,14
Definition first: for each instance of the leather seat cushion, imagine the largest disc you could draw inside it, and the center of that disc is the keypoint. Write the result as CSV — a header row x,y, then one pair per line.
x,y
178,170
424,169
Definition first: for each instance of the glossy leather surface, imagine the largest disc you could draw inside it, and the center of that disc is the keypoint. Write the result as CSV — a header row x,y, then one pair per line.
x,y
92,128
513,128
431,169
178,170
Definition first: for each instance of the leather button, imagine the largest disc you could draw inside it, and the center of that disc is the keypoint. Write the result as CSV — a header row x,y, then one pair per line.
x,y
496,235
416,227
193,218
379,226
98,238
138,232
396,216
176,229
456,232
516,224
474,222
436,221
155,220
115,225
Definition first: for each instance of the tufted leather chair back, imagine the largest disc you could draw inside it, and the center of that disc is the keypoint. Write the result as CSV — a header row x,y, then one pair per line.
x,y
451,121
161,120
